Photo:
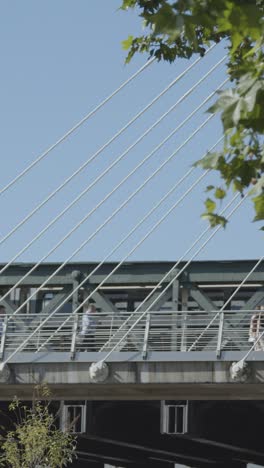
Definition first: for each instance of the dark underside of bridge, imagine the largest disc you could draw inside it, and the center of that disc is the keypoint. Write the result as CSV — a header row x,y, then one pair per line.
x,y
127,434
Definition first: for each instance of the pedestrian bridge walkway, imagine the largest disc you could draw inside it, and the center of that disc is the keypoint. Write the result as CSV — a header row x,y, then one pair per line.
x,y
160,335
156,336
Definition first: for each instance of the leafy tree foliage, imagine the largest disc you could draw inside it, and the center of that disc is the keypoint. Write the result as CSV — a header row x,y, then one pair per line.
x,y
35,441
186,27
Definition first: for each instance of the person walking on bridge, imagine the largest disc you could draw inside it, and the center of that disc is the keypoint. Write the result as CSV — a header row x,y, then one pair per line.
x,y
89,324
2,319
257,328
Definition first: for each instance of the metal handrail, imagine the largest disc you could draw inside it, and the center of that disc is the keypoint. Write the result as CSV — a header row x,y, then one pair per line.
x,y
155,332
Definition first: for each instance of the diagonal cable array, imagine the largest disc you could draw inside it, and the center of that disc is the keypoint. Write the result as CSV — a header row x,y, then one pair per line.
x,y
102,148
21,346
123,204
75,127
105,279
90,186
108,219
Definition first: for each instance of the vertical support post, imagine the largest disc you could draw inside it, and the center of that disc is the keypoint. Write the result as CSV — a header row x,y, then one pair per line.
x,y
220,334
185,295
75,302
33,303
174,317
22,298
146,336
130,305
39,302
3,338
74,335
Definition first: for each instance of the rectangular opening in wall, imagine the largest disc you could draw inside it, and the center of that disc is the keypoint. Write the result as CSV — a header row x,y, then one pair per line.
x,y
174,417
73,418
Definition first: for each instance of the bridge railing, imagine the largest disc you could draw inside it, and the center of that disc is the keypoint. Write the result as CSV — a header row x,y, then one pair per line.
x,y
163,331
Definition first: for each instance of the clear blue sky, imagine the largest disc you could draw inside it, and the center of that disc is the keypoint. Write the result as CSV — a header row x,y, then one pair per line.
x,y
58,60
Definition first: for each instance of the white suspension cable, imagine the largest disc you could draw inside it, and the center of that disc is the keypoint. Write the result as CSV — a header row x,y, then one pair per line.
x,y
107,220
98,152
86,190
243,282
227,302
170,283
105,279
75,127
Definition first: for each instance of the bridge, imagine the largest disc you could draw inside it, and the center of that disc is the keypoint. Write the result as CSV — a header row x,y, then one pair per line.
x,y
183,346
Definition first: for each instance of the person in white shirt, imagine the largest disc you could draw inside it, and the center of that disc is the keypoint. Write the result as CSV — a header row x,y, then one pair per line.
x,y
2,319
257,328
88,328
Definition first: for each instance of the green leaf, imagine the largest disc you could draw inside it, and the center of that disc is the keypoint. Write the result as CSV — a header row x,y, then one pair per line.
x,y
237,186
246,82
210,205
226,99
128,4
215,219
165,21
259,207
251,95
235,138
209,188
240,110
127,43
210,161
220,193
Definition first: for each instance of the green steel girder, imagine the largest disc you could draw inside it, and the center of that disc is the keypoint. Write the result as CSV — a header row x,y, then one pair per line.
x,y
137,272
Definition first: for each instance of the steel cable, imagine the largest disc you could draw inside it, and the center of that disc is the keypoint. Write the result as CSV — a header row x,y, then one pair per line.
x,y
98,152
105,222
75,127
87,189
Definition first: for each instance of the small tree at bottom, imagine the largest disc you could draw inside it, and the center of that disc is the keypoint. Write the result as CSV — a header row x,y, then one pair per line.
x,y
35,441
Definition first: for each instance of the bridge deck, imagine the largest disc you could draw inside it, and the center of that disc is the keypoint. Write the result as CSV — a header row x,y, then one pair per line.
x,y
184,344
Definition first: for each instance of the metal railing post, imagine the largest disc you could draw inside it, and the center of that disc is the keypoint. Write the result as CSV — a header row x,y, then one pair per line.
x,y
174,316
74,335
76,280
183,331
220,334
146,337
184,318
3,338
